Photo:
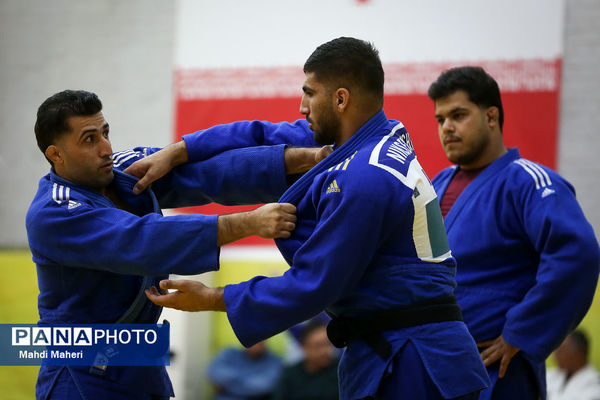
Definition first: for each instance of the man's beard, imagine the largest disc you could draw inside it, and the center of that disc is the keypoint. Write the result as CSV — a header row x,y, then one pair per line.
x,y
329,129
475,151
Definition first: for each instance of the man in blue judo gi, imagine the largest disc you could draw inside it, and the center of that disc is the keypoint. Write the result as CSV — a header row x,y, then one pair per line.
x,y
369,245
527,259
97,246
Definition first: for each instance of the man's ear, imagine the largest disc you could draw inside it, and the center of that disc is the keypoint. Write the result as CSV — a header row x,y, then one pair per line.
x,y
54,154
341,99
493,114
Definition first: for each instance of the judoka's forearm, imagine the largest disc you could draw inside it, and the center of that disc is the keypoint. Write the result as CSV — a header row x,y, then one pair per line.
x,y
177,152
232,227
301,159
270,221
216,299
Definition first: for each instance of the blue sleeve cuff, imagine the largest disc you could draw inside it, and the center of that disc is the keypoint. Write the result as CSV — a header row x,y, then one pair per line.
x,y
195,153
206,253
278,183
232,295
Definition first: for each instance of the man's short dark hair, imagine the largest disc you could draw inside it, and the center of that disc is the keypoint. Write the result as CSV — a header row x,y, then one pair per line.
x,y
53,113
580,342
481,88
349,63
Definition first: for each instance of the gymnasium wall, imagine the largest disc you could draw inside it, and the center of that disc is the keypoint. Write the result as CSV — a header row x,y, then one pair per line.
x,y
121,50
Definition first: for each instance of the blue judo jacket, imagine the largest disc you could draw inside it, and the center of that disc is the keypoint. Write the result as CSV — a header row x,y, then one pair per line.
x,y
369,237
94,260
527,258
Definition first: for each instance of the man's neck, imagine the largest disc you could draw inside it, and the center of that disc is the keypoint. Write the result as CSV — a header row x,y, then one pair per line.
x,y
351,125
491,154
110,193
60,174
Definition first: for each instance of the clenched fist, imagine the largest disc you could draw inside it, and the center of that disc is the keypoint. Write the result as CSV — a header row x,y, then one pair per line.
x,y
274,220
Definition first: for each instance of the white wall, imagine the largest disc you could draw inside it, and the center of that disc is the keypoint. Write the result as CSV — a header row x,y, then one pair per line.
x,y
230,33
121,50
579,140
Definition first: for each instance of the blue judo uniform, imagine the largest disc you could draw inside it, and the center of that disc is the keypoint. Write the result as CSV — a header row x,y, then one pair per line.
x,y
94,260
527,264
369,237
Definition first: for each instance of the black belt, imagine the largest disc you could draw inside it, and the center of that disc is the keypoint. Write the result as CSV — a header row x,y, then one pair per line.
x,y
342,330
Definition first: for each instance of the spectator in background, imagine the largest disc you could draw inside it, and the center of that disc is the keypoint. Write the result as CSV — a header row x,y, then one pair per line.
x,y
245,374
575,378
315,377
294,352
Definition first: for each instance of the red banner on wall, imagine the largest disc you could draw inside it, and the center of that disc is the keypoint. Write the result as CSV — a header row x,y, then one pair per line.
x,y
530,95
